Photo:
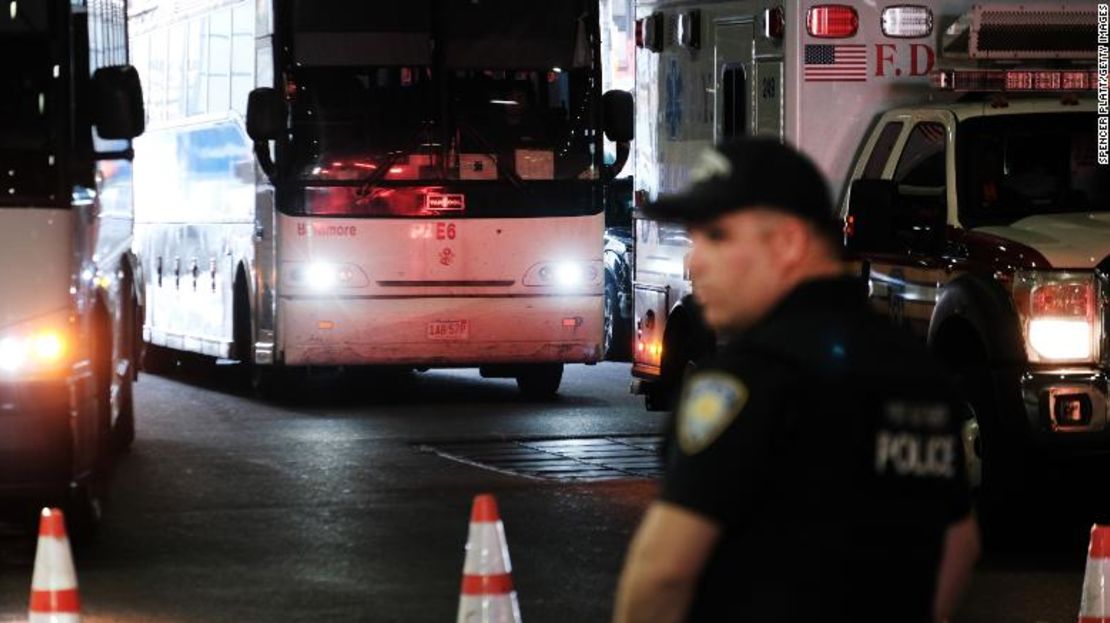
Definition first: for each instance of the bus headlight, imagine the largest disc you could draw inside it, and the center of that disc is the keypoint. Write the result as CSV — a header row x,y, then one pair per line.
x,y
1060,315
40,351
566,275
323,276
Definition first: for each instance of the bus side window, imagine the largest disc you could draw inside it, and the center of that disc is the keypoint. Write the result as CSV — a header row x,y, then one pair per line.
x,y
733,110
880,154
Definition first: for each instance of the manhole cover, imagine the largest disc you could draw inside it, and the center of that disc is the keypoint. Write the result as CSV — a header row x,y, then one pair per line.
x,y
579,459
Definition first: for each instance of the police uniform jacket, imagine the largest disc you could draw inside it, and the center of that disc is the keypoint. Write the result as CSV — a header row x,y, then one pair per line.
x,y
825,442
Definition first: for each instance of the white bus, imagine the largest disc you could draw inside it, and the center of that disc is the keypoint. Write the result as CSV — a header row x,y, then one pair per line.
x,y
426,189
69,105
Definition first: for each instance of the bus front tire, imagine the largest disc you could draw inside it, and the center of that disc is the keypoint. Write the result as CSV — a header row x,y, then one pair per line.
x,y
158,360
540,381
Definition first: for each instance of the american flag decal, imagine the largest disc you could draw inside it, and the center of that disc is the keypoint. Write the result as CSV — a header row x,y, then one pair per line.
x,y
836,63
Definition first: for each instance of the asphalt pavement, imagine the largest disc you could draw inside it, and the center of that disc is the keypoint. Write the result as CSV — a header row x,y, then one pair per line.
x,y
350,501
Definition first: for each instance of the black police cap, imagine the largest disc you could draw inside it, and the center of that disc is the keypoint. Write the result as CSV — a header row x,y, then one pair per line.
x,y
748,173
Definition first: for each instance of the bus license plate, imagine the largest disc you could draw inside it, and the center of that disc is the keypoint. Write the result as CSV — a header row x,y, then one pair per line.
x,y
451,330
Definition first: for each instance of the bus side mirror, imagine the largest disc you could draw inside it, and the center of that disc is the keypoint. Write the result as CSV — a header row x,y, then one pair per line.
x,y
618,112
872,216
266,115
118,97
618,119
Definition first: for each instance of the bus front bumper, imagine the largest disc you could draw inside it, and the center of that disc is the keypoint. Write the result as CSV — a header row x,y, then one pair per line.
x,y
440,332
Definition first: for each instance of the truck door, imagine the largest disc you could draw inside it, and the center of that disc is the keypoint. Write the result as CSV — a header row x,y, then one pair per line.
x,y
906,277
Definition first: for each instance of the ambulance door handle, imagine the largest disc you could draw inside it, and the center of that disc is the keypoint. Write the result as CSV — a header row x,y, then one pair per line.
x,y
259,232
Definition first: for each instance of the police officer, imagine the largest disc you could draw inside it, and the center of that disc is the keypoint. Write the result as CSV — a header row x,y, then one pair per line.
x,y
816,471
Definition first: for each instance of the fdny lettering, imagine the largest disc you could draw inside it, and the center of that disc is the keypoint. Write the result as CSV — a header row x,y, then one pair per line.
x,y
327,230
891,59
909,454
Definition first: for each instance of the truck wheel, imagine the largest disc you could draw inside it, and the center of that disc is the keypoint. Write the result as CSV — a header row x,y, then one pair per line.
x,y
1004,477
540,381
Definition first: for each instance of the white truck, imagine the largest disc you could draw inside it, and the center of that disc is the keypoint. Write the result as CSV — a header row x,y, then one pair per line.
x,y
961,139
69,105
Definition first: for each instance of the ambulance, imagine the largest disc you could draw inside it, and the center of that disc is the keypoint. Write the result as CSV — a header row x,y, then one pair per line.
x,y
960,142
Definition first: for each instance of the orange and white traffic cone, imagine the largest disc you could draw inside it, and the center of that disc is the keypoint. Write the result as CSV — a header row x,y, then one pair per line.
x,y
54,597
1095,604
487,585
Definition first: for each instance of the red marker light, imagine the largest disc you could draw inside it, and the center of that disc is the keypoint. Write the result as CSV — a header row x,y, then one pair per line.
x,y
832,21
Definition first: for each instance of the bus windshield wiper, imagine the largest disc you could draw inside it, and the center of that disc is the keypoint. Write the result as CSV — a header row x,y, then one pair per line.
x,y
372,180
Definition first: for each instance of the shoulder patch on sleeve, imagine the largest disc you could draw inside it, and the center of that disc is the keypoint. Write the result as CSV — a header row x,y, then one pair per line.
x,y
710,402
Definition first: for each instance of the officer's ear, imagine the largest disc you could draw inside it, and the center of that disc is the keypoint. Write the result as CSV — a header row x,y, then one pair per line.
x,y
790,237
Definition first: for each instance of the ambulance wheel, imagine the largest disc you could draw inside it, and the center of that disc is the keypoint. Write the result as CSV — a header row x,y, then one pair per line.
x,y
540,381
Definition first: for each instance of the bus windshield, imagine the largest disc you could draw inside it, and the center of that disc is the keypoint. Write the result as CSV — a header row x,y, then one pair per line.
x,y
462,124
447,93
29,81
1017,166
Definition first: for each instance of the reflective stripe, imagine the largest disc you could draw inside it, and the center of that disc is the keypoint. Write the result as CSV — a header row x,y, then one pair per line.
x,y
56,617
486,551
500,609
53,566
67,601
499,584
1095,604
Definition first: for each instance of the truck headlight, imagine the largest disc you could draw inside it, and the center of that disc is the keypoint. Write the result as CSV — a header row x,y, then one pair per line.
x,y
1060,315
36,352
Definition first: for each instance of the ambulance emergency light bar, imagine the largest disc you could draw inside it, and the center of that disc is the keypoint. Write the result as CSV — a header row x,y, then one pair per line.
x,y
1015,80
840,21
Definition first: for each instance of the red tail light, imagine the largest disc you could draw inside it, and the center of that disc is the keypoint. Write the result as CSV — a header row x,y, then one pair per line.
x,y
832,21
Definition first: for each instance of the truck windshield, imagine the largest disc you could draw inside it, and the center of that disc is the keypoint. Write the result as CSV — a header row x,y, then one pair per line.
x,y
1016,166
29,110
